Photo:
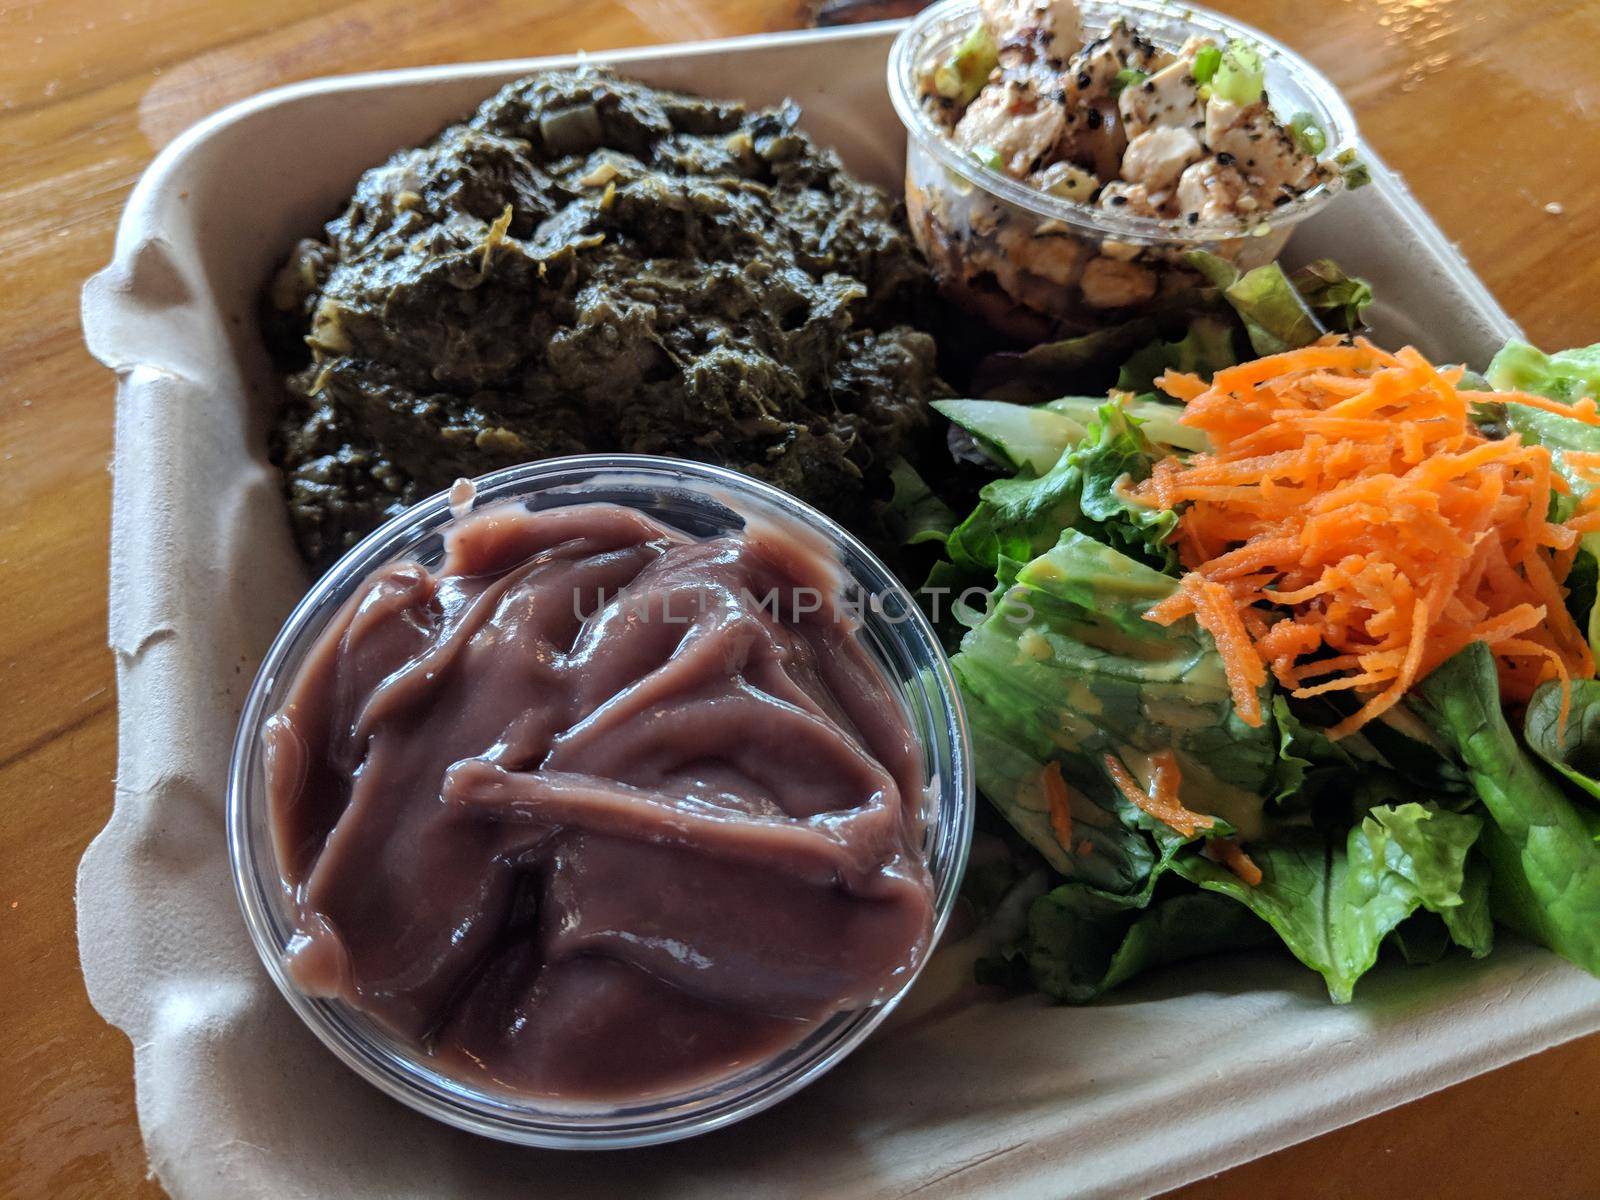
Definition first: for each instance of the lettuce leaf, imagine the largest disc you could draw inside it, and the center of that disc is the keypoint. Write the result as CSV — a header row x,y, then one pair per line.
x,y
1471,923
1020,518
1054,369
913,514
1561,435
1339,301
1333,901
1205,349
1573,749
1583,589
1566,376
1065,669
1081,942
1422,939
1274,311
1307,760
1546,865
1276,317
1425,936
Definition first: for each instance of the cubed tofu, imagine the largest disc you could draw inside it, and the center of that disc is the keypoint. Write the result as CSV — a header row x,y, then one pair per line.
x,y
1250,138
1067,180
1011,119
1094,137
1045,25
1133,198
1214,192
1158,156
1169,98
1060,258
1091,72
1112,283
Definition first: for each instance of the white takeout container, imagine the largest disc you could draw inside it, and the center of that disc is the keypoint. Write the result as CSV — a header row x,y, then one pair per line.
x,y
1180,1075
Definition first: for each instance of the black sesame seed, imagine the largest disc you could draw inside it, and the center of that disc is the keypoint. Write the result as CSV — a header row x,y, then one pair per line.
x,y
1224,159
1193,218
1084,81
1094,118
1119,201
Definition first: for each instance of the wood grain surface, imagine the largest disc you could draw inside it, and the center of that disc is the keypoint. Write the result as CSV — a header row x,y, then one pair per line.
x,y
1483,105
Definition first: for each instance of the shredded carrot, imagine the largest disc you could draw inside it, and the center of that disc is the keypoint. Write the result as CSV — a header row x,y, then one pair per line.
x,y
1161,800
1055,790
1181,385
1231,855
1351,528
1583,410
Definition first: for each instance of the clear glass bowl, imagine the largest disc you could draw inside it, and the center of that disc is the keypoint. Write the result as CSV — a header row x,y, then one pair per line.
x,y
975,224
692,497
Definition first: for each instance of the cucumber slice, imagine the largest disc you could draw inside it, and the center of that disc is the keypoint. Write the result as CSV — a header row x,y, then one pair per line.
x,y
1158,419
1016,434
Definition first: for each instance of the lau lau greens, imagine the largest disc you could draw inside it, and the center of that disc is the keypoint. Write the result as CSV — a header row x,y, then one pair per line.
x,y
1418,833
590,264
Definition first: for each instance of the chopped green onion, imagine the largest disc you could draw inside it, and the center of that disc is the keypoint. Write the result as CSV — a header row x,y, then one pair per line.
x,y
962,76
1206,62
1126,78
1308,134
1067,180
989,157
1353,170
1240,78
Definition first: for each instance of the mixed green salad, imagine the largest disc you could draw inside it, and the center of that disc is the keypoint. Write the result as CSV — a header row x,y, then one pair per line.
x,y
1422,832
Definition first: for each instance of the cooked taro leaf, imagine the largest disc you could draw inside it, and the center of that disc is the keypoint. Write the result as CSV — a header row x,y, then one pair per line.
x,y
589,264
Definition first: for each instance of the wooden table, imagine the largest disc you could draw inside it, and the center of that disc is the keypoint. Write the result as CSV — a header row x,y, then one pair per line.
x,y
1484,107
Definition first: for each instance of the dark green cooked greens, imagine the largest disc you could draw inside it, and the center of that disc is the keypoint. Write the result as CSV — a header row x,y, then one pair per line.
x,y
590,264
